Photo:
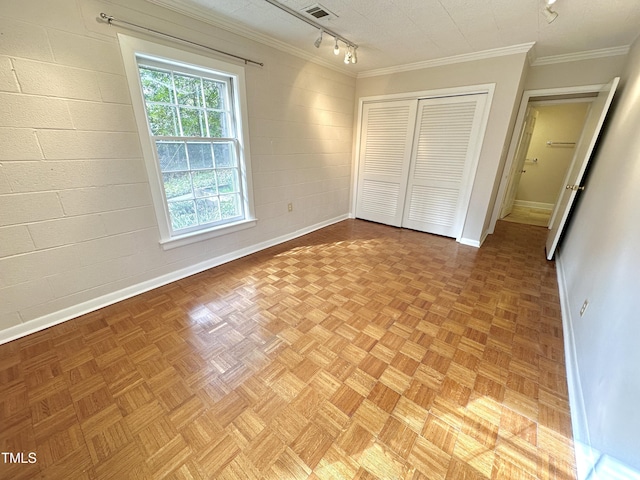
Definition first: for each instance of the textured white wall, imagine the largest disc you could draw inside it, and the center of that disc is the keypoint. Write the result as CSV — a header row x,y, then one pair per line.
x,y
76,220
600,260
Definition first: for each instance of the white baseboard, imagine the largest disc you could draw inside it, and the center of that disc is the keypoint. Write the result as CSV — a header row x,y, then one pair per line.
x,y
538,205
609,468
585,458
470,242
83,308
474,243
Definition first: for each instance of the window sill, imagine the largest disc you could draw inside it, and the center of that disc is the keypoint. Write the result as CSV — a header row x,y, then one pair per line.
x,y
193,237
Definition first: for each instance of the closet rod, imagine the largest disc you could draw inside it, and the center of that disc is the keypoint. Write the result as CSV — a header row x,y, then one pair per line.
x,y
560,144
110,20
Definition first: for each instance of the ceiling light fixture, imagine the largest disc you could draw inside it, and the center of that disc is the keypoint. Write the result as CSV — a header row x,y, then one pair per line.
x,y
318,40
549,14
351,47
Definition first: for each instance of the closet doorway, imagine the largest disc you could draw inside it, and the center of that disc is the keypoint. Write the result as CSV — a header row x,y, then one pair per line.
x,y
417,159
601,97
547,145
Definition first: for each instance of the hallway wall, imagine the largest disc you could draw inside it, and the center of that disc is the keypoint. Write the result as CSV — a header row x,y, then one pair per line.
x,y
599,260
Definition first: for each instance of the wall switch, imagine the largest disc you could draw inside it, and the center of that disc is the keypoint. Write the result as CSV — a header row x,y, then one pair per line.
x,y
584,307
290,207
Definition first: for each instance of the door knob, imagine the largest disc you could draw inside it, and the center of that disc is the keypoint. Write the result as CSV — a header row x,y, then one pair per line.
x,y
523,171
574,187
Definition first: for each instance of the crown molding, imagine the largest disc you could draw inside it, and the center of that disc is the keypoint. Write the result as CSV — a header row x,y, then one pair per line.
x,y
438,62
577,56
236,28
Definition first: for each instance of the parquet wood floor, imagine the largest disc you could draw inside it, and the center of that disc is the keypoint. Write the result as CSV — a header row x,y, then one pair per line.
x,y
359,351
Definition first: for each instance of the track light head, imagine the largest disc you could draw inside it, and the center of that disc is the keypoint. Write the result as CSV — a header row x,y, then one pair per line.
x,y
354,56
336,49
347,56
549,14
318,40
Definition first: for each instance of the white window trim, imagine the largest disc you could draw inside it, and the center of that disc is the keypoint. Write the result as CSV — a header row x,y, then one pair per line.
x,y
130,48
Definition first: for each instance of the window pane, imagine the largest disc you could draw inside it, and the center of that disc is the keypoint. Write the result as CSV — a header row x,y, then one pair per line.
x,y
190,111
188,90
192,122
208,210
183,214
162,120
217,124
214,93
156,85
177,185
200,155
227,181
172,156
229,206
224,155
204,183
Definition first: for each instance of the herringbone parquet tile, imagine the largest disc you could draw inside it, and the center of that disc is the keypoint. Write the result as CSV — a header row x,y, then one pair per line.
x,y
359,351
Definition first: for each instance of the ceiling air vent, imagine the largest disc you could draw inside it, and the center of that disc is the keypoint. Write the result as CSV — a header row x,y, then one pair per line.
x,y
318,11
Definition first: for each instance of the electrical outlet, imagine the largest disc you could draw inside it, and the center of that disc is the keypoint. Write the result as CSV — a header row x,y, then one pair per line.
x,y
584,307
290,207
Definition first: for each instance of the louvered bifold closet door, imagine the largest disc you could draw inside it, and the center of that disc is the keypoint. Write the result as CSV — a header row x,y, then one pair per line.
x,y
446,144
385,155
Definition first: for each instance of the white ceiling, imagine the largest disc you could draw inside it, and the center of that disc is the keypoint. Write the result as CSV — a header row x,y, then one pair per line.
x,y
400,32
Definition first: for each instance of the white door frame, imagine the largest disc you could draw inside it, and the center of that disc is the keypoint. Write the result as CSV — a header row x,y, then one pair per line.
x,y
487,88
520,158
526,96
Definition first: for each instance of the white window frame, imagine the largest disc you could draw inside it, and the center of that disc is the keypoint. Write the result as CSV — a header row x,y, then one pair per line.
x,y
133,48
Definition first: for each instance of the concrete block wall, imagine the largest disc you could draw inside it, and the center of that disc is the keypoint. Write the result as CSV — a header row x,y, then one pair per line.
x,y
76,221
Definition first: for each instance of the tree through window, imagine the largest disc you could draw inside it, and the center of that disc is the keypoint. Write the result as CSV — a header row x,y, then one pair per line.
x,y
193,129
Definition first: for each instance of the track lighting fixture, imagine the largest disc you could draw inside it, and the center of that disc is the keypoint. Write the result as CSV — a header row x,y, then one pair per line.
x,y
549,14
350,55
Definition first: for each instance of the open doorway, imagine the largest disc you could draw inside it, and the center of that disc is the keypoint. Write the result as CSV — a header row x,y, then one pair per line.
x,y
518,154
547,144
602,96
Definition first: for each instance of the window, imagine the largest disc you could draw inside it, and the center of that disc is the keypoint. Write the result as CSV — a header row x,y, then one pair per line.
x,y
190,113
